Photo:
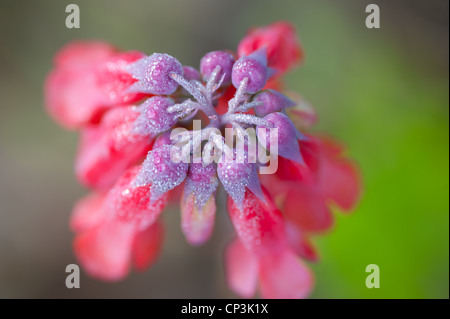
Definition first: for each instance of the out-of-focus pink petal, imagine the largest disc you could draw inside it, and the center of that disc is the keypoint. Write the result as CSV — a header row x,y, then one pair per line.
x,y
88,78
340,179
81,53
72,98
241,269
197,224
299,243
87,212
306,208
327,176
307,173
280,40
104,251
284,276
124,232
147,246
259,225
108,149
303,114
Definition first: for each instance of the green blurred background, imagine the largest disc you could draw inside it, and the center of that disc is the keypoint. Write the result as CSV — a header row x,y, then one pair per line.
x,y
383,92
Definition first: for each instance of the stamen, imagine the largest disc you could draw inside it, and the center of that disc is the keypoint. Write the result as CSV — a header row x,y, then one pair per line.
x,y
247,119
189,117
239,130
218,85
212,79
188,86
180,106
247,106
200,93
238,97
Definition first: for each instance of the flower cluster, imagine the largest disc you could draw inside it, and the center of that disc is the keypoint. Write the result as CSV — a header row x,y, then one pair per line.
x,y
128,106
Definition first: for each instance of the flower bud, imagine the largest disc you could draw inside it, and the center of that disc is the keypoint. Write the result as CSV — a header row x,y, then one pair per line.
x,y
161,172
237,174
154,74
252,67
213,59
272,101
202,182
154,117
287,136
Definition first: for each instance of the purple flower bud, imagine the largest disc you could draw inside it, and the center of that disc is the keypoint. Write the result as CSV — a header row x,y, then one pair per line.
x,y
213,59
254,68
159,171
190,73
287,137
202,182
154,117
238,173
272,101
200,173
153,74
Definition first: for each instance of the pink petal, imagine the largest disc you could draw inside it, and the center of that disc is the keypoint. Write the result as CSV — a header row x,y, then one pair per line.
x,y
306,208
128,203
241,269
108,149
114,81
280,40
340,179
88,79
300,243
303,114
284,276
105,251
306,173
72,98
259,224
81,53
87,212
197,224
147,246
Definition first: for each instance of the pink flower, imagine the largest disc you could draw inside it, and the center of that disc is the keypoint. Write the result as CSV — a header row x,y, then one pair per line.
x,y
281,275
107,149
306,191
88,78
280,41
139,146
117,229
263,254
